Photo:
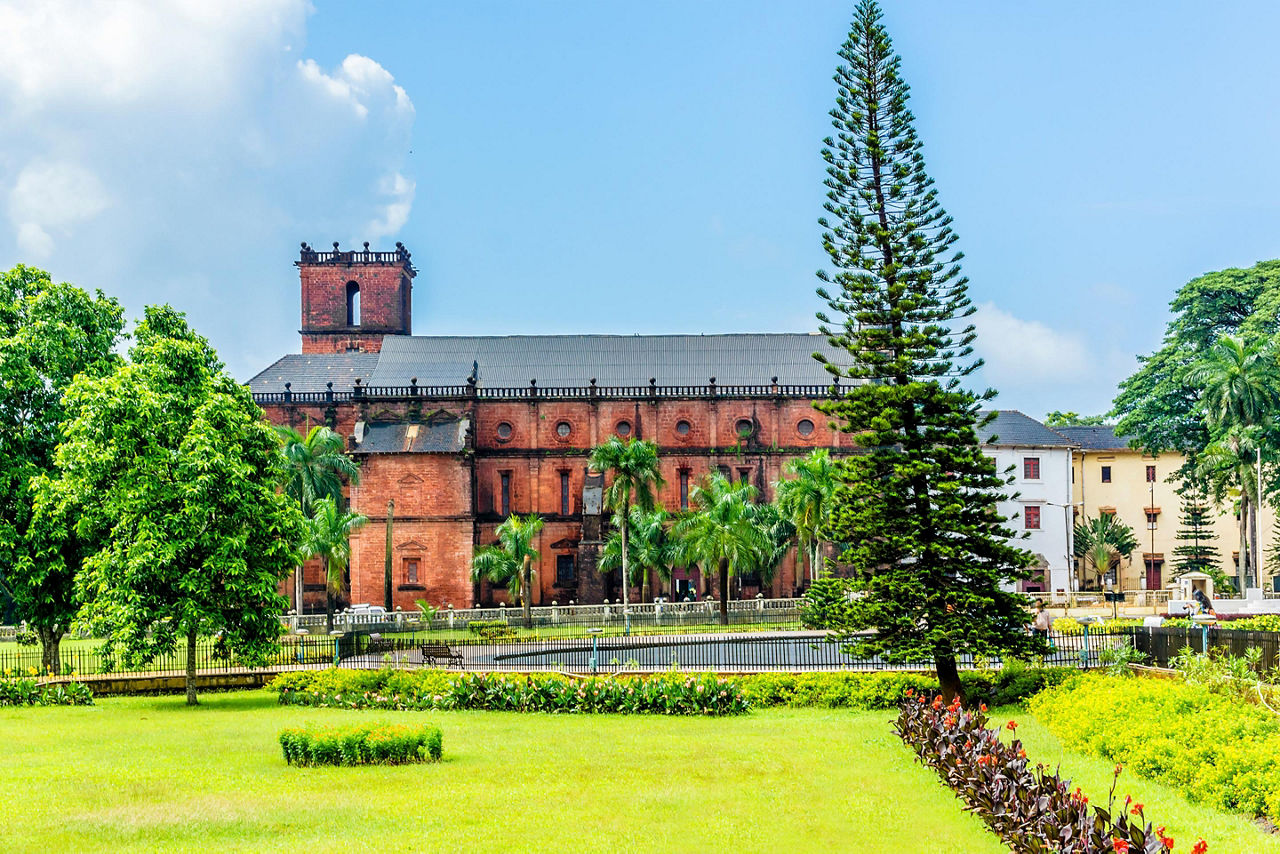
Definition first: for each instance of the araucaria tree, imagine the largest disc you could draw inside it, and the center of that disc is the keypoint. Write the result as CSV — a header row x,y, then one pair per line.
x,y
175,476
49,333
1196,550
918,508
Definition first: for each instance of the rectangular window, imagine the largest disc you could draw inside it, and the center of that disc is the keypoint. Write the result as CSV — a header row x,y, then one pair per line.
x,y
564,569
1031,517
564,493
1151,474
744,475
1030,468
411,570
684,489
505,498
1152,518
1106,474
724,472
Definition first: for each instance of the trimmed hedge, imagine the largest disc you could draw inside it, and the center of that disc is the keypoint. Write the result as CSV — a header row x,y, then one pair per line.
x,y
671,693
29,692
545,692
1030,809
363,744
1213,749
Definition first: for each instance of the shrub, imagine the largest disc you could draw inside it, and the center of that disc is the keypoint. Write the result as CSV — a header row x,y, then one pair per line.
x,y
363,744
25,637
543,692
29,692
1213,749
1071,626
1030,809
491,629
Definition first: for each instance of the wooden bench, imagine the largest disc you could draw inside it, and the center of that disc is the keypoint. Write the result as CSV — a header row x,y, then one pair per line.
x,y
433,653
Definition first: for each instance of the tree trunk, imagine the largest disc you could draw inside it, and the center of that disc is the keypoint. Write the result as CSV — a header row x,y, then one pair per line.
x,y
814,561
1255,554
724,591
386,569
328,598
191,668
944,662
297,590
524,592
626,578
1242,563
50,656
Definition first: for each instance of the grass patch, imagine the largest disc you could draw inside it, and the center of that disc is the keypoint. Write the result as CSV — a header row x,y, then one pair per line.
x,y
1184,821
149,773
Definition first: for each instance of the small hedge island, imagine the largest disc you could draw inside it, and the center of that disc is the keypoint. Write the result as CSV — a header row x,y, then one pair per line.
x,y
364,744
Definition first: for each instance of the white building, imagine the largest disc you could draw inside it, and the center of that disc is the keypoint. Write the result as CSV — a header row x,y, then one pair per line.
x,y
1040,495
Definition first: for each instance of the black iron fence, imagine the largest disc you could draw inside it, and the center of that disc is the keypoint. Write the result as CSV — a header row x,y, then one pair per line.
x,y
1161,645
86,657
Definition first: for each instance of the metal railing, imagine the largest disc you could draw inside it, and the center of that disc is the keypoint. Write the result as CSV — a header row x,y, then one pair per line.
x,y
88,657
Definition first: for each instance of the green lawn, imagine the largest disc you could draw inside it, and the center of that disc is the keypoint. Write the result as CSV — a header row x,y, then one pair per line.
x,y
1185,822
149,773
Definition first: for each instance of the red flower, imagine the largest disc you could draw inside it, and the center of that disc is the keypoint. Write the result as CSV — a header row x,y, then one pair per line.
x,y
1120,846
1011,726
982,707
1200,847
911,692
1137,808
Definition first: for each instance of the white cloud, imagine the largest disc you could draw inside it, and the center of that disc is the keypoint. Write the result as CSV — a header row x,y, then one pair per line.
x,y
179,150
1020,351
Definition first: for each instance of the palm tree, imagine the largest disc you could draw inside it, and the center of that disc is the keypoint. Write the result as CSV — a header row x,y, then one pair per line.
x,y
510,563
636,476
316,466
1239,387
779,533
721,530
648,548
804,498
329,538
1102,540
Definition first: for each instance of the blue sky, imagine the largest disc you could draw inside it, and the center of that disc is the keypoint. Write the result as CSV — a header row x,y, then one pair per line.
x,y
636,167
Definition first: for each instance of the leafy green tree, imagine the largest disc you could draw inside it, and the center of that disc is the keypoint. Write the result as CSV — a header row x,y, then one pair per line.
x,y
805,497
318,466
1103,540
174,477
918,508
636,477
721,530
1239,387
1073,419
509,564
1196,550
779,537
328,537
648,545
49,333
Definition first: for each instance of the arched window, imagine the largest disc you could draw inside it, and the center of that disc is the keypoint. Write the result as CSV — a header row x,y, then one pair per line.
x,y
353,304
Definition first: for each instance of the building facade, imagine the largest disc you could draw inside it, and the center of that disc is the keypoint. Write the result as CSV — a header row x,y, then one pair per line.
x,y
1109,476
455,433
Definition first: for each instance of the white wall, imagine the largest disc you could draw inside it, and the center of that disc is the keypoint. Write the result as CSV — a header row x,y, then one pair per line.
x,y
1052,493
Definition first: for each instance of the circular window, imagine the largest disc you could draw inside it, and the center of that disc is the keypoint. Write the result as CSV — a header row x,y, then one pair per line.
x,y
683,427
563,429
744,427
624,428
805,427
504,431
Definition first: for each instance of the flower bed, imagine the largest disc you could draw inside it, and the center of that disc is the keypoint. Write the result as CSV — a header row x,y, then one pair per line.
x,y
1030,809
433,689
29,692
365,744
1212,748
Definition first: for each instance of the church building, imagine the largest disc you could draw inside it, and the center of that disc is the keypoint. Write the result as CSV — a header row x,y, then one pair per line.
x,y
455,433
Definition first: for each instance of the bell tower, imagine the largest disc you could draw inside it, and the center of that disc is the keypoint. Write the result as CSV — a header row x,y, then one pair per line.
x,y
350,300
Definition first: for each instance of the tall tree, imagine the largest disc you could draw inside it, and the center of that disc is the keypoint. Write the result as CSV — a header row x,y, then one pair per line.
x,y
805,497
1102,541
1057,418
720,530
318,467
1196,550
919,507
648,545
1239,387
175,477
328,537
636,477
49,334
510,562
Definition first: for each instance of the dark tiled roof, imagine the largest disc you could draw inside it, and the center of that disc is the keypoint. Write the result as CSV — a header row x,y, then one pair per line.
x,y
445,437
613,360
1101,438
309,372
1012,428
